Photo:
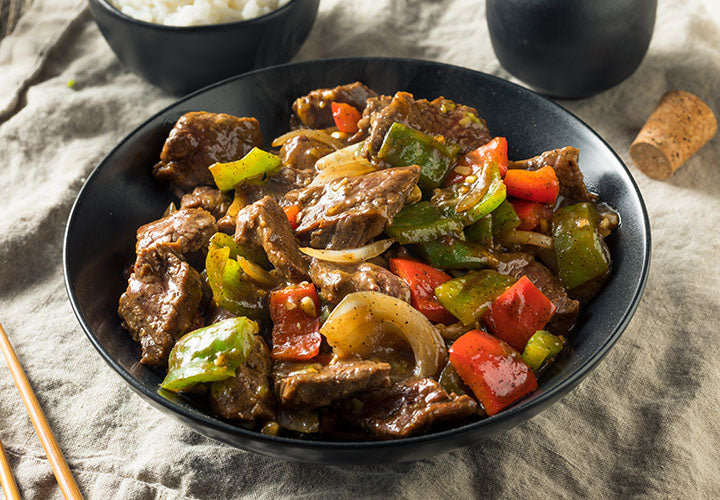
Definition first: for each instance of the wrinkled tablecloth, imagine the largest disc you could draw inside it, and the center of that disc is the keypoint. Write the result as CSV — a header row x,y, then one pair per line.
x,y
645,423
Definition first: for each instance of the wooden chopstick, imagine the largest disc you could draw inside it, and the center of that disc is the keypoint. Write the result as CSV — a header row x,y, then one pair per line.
x,y
7,480
60,468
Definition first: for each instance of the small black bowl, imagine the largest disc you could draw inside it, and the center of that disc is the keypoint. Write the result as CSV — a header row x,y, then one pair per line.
x,y
182,59
121,194
570,49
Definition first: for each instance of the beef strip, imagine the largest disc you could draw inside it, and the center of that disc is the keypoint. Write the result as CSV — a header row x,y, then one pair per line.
x,y
187,229
200,139
565,163
520,264
441,117
311,386
210,199
348,212
408,408
338,280
314,110
372,106
246,396
300,153
161,302
264,224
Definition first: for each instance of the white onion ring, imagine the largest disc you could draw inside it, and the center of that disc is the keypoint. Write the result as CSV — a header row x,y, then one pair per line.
x,y
318,135
348,154
360,321
350,255
527,238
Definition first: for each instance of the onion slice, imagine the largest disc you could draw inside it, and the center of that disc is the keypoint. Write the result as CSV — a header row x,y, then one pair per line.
x,y
255,272
350,255
526,238
348,154
340,170
359,323
318,135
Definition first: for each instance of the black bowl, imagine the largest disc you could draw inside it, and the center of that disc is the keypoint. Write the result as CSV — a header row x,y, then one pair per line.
x,y
570,49
183,59
121,194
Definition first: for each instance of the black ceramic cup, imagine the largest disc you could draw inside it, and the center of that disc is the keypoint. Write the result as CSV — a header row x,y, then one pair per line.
x,y
182,59
570,49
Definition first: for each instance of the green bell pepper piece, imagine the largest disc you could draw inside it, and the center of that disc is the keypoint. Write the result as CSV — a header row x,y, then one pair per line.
x,y
256,162
481,232
421,222
453,253
469,297
580,252
504,218
258,256
487,188
542,346
451,381
231,288
404,146
209,354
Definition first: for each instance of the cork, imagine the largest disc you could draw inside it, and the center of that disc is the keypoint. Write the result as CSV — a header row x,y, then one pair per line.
x,y
680,125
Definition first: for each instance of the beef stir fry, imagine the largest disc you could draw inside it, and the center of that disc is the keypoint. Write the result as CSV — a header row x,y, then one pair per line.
x,y
382,270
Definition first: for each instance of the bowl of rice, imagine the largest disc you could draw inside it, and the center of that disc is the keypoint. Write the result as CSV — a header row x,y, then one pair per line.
x,y
183,45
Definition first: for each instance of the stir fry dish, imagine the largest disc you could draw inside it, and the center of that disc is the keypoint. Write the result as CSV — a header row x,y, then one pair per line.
x,y
379,271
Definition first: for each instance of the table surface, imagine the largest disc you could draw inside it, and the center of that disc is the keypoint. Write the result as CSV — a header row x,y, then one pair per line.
x,y
644,423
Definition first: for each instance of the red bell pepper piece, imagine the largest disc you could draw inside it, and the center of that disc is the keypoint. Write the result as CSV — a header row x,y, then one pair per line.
x,y
346,117
295,314
422,280
495,150
519,312
535,185
531,213
292,214
494,371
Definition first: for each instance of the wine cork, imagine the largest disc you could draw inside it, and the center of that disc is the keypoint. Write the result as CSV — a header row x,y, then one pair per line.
x,y
680,125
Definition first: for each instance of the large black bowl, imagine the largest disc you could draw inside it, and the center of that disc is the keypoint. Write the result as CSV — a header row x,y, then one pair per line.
x,y
181,59
120,195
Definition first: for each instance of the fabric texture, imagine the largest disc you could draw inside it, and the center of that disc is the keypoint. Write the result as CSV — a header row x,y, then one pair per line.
x,y
644,423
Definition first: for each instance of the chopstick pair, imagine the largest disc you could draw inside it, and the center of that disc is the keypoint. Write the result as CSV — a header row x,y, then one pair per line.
x,y
7,480
60,468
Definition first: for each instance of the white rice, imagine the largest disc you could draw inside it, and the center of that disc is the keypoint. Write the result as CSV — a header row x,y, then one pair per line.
x,y
195,12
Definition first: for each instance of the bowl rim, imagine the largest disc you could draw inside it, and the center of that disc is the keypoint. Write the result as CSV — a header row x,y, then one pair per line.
x,y
524,406
105,4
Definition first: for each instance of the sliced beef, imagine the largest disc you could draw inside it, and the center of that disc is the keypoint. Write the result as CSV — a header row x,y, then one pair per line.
x,y
338,280
565,163
408,408
300,154
246,396
264,224
519,264
372,106
441,117
210,199
299,385
314,110
348,212
200,139
161,302
187,229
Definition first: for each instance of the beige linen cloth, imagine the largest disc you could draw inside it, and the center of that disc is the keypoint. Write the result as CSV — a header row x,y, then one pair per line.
x,y
645,423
